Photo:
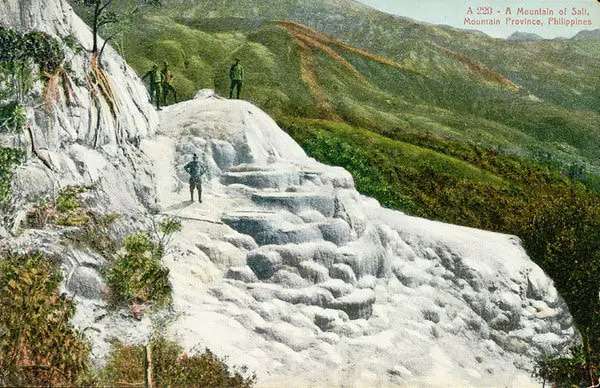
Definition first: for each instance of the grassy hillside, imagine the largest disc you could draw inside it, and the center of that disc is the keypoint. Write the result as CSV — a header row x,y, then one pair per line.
x,y
563,72
293,70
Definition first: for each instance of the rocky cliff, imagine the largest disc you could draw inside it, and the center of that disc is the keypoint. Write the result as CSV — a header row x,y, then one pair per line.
x,y
85,135
283,267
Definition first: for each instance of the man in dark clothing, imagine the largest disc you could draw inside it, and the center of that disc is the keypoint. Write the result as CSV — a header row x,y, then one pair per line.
x,y
167,85
196,170
236,75
156,79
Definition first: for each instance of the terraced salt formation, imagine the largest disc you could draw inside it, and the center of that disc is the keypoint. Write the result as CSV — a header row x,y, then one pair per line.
x,y
287,269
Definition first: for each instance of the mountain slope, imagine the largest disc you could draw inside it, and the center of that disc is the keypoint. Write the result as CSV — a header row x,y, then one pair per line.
x,y
293,70
386,35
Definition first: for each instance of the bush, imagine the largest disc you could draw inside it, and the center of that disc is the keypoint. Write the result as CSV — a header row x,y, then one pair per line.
x,y
95,234
12,117
566,371
137,275
65,210
38,345
9,158
68,210
170,367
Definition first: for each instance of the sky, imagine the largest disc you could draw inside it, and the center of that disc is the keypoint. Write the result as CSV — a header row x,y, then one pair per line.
x,y
454,12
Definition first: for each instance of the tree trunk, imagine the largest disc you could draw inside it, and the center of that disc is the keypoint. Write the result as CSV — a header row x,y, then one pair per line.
x,y
95,28
148,365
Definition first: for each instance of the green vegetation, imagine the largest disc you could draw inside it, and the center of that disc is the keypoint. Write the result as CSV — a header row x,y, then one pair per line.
x,y
12,117
170,368
18,53
9,158
567,371
38,346
68,210
427,86
137,275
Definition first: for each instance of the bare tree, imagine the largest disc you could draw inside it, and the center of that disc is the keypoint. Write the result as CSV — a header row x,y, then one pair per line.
x,y
102,13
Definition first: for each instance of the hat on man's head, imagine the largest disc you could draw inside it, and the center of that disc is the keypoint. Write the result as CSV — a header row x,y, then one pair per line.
x,y
166,63
237,59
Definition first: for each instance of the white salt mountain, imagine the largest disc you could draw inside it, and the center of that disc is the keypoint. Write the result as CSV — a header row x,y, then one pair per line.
x,y
284,267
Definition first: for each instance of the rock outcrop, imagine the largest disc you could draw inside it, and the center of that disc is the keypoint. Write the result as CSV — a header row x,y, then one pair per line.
x,y
87,137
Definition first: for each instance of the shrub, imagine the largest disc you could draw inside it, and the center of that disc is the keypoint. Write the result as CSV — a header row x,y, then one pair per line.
x,y
566,371
137,275
65,210
171,368
95,234
18,52
12,117
9,158
38,345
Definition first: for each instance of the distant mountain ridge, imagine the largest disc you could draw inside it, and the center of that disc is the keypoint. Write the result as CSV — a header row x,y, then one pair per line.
x,y
588,35
426,78
524,36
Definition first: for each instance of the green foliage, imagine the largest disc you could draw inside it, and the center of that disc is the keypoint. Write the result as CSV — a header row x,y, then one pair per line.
x,y
9,158
137,275
163,233
38,346
422,78
17,49
12,117
65,210
171,368
95,235
566,371
68,210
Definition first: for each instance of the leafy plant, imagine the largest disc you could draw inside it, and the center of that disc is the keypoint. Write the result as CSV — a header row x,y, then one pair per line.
x,y
9,158
163,233
18,49
68,210
38,346
171,368
65,210
12,117
567,371
137,275
95,235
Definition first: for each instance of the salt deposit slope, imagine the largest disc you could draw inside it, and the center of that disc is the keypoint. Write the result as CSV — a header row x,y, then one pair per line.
x,y
285,268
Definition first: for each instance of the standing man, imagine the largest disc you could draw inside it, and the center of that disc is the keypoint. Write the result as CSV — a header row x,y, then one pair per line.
x,y
196,170
156,79
236,75
167,85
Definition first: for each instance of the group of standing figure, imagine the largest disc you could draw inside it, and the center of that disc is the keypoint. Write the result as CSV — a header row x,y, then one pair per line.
x,y
161,82
161,85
